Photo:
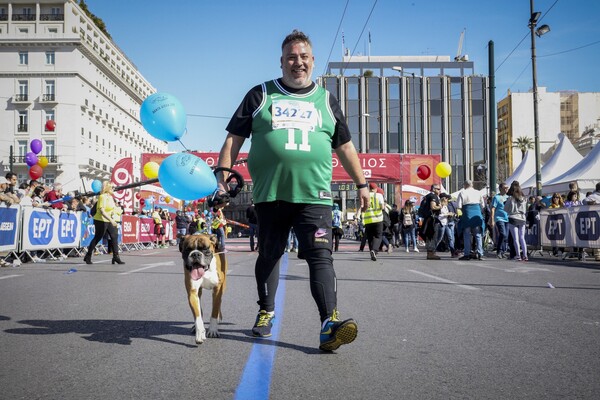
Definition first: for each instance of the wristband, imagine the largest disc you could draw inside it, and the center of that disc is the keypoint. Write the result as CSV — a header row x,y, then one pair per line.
x,y
362,185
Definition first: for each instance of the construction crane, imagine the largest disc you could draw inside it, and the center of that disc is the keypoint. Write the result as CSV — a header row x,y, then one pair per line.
x,y
459,55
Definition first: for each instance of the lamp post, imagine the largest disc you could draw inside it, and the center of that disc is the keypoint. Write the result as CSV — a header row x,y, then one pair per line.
x,y
536,125
414,107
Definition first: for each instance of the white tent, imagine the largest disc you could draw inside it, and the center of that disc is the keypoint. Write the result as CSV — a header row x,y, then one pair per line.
x,y
523,170
586,173
563,158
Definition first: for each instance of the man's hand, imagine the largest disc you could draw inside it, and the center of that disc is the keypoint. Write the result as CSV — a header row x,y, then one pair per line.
x,y
365,198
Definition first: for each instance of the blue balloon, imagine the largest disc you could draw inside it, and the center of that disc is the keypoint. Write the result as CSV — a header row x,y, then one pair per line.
x,y
163,117
96,186
185,176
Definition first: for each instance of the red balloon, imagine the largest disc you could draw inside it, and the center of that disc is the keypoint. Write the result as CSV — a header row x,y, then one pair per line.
x,y
50,125
142,202
423,172
137,196
202,200
36,172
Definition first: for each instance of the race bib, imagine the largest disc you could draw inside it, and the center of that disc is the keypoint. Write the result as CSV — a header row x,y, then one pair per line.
x,y
294,114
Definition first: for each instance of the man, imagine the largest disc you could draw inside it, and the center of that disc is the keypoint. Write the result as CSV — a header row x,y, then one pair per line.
x,y
499,219
6,197
11,177
430,229
471,203
294,125
373,220
395,225
593,198
55,194
252,223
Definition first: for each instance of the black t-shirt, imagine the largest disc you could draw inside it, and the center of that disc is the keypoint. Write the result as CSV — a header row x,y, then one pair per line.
x,y
394,217
432,197
251,215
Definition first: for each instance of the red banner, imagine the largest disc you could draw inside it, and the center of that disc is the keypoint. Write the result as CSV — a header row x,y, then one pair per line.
x,y
122,174
129,228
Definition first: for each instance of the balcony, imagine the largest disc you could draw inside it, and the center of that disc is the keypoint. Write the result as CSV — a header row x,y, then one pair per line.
x,y
3,17
52,17
22,160
21,98
22,128
49,98
23,17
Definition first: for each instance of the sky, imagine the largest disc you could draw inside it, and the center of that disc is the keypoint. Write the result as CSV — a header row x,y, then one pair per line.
x,y
208,54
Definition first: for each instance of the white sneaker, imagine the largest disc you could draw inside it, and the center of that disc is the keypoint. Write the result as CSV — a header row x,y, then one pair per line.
x,y
416,250
407,250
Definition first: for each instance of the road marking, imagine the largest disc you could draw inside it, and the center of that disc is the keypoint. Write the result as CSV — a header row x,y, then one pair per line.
x,y
9,276
256,378
148,267
445,280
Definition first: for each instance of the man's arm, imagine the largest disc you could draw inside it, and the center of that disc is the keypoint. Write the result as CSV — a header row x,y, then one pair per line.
x,y
227,156
349,159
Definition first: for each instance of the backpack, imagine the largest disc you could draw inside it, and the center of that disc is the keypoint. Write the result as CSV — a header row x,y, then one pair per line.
x,y
408,221
424,208
94,209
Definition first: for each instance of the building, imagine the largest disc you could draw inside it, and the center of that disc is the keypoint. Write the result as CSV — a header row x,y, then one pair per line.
x,y
56,64
572,113
422,105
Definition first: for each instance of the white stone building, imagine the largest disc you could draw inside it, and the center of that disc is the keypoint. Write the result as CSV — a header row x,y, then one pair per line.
x,y
55,64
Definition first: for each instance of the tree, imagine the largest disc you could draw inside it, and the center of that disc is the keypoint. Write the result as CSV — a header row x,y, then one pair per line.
x,y
97,20
523,143
368,73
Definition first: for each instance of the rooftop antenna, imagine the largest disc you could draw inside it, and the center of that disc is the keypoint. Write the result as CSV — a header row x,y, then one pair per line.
x,y
459,55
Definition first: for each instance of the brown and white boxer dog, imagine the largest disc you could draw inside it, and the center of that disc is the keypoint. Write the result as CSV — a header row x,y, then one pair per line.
x,y
204,267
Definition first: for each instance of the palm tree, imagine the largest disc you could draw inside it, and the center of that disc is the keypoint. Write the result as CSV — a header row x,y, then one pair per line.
x,y
523,143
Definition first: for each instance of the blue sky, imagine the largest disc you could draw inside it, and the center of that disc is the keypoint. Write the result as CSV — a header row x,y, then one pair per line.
x,y
208,54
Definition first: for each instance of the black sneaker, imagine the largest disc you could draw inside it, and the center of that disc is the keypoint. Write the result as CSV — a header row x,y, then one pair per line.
x,y
264,323
465,258
336,333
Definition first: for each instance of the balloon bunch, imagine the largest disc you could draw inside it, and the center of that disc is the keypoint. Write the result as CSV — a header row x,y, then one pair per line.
x,y
182,175
36,163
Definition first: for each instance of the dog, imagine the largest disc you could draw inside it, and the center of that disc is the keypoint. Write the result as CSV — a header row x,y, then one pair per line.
x,y
204,267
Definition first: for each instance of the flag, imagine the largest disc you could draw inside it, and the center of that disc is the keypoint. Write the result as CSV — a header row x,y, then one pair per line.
x,y
369,37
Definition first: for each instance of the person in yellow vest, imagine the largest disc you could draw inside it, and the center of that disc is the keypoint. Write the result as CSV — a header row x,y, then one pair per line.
x,y
373,220
218,226
104,221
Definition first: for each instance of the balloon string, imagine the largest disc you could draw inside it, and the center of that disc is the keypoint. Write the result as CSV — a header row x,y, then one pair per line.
x,y
183,145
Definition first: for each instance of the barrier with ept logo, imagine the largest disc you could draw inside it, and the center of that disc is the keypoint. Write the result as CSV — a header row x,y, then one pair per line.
x,y
577,226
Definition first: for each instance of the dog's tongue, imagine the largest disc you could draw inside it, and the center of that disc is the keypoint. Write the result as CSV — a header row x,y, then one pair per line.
x,y
197,273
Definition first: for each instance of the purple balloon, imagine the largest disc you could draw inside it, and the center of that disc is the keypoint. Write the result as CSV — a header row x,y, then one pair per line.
x,y
31,159
36,146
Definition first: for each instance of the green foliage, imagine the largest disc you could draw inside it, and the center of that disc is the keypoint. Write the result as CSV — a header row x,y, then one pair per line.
x,y
368,73
523,143
97,20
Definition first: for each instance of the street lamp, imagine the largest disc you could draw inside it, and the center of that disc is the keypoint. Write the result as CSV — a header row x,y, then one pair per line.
x,y
536,124
414,107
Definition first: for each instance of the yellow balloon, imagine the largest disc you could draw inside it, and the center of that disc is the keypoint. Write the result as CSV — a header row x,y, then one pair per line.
x,y
167,199
443,169
151,170
42,161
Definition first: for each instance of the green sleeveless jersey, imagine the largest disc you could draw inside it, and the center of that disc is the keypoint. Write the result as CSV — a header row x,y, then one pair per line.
x,y
291,145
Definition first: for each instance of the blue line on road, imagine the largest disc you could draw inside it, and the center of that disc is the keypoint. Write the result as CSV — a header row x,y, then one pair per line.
x,y
256,379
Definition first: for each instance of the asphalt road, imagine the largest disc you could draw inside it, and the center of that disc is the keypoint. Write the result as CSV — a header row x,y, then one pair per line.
x,y
448,329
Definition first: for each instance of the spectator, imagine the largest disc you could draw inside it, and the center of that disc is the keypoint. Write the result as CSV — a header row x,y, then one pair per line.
x,y
54,195
336,229
253,224
446,218
37,197
12,180
408,219
472,224
181,223
218,226
499,220
516,208
430,230
396,226
6,197
159,229
556,201
594,197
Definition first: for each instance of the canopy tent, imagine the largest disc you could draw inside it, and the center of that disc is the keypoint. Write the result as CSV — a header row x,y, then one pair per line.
x,y
560,162
523,171
586,173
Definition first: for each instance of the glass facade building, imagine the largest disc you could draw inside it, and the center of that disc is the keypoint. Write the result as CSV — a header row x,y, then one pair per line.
x,y
420,105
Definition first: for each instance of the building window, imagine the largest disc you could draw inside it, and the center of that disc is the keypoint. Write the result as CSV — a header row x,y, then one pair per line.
x,y
23,94
49,116
23,58
50,58
22,127
50,148
49,90
53,31
23,31
21,148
